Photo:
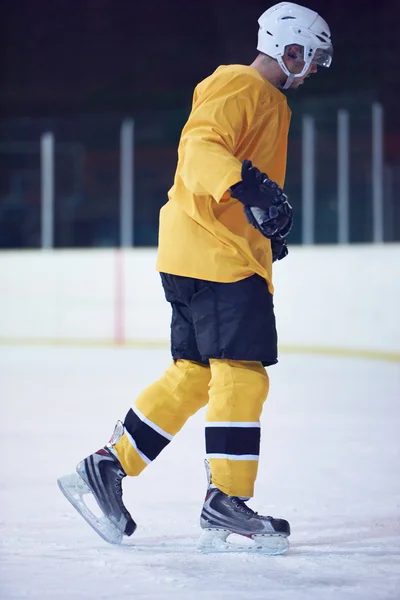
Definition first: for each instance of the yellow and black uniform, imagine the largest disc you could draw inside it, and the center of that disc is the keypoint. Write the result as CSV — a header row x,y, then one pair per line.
x,y
217,274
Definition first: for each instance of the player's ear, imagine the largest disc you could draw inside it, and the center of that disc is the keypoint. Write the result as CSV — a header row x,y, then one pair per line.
x,y
294,52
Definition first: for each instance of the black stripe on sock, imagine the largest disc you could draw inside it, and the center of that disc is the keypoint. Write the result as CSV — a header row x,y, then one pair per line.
x,y
147,440
233,440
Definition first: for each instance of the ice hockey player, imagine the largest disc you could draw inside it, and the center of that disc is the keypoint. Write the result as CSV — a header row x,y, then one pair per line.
x,y
225,222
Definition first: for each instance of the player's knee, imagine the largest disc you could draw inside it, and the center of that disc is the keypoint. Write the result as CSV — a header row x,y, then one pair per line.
x,y
253,375
243,380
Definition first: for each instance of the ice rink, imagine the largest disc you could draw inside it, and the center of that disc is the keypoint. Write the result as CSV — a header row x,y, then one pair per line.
x,y
330,465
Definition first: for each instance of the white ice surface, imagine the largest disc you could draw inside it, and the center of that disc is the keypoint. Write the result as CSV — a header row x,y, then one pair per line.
x,y
330,465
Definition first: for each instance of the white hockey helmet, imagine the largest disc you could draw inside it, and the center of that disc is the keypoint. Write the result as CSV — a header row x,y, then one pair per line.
x,y
286,24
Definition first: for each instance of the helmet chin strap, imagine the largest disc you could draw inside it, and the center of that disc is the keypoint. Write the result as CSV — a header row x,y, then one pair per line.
x,y
290,76
288,82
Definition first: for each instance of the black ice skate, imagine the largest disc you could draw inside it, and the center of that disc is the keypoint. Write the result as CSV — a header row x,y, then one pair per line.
x,y
100,475
224,515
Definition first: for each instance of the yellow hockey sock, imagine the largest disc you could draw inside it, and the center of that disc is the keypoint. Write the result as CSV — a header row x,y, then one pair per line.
x,y
238,390
159,413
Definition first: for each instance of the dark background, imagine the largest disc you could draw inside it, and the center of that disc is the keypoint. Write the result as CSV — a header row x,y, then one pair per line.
x,y
75,65
86,55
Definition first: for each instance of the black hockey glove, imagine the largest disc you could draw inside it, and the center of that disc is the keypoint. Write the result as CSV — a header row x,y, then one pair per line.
x,y
279,247
266,206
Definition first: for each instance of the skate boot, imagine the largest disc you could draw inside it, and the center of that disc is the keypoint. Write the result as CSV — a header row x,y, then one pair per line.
x,y
100,475
224,515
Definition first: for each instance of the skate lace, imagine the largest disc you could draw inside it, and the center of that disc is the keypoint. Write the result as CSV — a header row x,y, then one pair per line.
x,y
119,494
242,506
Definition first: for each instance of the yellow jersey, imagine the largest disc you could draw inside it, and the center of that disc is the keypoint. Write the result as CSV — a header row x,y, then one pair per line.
x,y
236,114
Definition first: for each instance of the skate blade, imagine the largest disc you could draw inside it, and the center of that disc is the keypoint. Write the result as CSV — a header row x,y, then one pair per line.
x,y
213,541
74,489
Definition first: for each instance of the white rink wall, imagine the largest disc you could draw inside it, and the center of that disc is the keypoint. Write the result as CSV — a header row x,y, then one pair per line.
x,y
326,297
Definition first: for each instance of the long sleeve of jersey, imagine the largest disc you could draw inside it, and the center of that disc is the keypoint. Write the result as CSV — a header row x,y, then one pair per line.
x,y
221,111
